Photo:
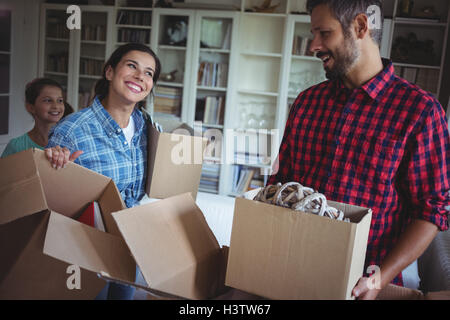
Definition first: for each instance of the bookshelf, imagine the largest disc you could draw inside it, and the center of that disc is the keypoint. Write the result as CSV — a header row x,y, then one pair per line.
x,y
196,47
418,41
75,58
261,57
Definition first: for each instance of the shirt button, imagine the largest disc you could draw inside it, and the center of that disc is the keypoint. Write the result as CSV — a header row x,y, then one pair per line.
x,y
125,143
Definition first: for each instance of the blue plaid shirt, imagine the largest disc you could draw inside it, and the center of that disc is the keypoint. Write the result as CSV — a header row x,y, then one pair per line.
x,y
105,149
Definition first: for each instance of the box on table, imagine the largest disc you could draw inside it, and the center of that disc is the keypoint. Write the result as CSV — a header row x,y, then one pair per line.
x,y
37,204
174,160
279,253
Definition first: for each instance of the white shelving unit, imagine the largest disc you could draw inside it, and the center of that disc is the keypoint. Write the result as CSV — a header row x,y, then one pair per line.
x,y
267,65
426,71
75,58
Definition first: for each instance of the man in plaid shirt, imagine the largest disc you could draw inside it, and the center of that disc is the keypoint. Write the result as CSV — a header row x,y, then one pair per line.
x,y
369,138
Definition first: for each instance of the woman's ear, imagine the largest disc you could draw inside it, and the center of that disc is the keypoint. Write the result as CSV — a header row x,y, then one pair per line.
x,y
109,73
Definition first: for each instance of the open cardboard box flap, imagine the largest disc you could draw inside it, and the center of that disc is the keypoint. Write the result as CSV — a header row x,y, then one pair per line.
x,y
173,246
39,236
76,243
171,156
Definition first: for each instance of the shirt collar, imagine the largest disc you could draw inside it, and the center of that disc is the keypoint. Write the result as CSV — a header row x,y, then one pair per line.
x,y
109,124
376,86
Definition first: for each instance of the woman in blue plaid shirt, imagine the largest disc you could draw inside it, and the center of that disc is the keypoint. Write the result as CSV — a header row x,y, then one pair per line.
x,y
110,136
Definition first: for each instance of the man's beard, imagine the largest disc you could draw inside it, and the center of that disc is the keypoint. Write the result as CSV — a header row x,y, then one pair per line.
x,y
344,59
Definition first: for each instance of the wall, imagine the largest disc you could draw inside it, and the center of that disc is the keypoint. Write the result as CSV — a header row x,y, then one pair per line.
x,y
25,29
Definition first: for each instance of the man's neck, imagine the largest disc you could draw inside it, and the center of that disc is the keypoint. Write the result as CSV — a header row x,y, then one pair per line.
x,y
365,69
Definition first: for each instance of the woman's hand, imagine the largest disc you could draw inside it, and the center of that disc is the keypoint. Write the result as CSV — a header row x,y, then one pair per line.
x,y
59,157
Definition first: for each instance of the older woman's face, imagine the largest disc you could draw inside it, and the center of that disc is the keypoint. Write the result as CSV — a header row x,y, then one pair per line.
x,y
132,79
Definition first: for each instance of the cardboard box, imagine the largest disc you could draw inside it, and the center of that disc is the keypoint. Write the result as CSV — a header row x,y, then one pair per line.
x,y
174,247
37,206
174,160
279,253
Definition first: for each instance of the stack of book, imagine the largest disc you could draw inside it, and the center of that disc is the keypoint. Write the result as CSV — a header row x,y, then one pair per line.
x,y
90,66
133,35
167,100
141,18
209,181
93,32
56,28
245,179
241,179
214,109
58,62
301,46
212,74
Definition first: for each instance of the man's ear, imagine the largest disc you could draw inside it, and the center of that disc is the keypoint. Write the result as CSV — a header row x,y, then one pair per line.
x,y
109,73
361,26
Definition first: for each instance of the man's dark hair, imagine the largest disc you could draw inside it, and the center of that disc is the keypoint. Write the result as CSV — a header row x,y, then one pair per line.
x,y
345,11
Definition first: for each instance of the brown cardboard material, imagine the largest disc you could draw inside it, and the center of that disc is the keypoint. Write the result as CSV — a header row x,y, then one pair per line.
x,y
39,238
279,253
174,247
167,177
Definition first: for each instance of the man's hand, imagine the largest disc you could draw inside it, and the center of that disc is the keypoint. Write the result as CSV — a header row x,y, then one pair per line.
x,y
59,157
365,289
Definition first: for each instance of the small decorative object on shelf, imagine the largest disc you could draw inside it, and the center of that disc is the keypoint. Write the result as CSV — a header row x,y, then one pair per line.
x,y
411,50
428,12
406,7
266,7
168,77
177,32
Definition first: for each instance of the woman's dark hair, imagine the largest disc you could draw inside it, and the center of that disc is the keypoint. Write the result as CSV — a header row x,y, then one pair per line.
x,y
102,85
345,11
33,89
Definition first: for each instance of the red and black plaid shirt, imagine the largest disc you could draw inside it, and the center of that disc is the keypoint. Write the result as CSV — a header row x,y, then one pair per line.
x,y
383,146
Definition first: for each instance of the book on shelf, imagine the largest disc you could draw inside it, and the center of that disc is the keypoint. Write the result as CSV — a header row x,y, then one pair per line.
x,y
93,32
214,110
300,45
410,74
133,35
92,216
212,74
167,99
243,183
139,18
209,180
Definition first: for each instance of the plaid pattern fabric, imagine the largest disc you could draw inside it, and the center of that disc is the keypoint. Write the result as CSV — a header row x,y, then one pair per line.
x,y
105,149
383,146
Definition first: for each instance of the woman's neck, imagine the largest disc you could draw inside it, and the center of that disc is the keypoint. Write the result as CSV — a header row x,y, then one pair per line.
x,y
120,112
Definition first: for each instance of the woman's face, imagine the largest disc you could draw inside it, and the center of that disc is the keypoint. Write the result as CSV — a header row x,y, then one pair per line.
x,y
132,79
48,106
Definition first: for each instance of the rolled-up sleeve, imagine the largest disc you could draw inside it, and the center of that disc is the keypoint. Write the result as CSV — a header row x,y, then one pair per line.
x,y
428,172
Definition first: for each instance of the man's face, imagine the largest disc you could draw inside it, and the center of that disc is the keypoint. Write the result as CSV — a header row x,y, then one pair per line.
x,y
338,50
